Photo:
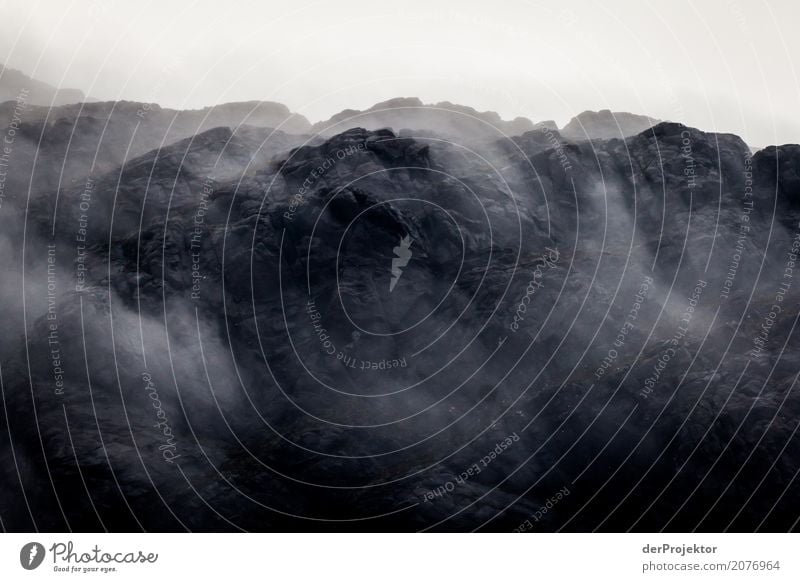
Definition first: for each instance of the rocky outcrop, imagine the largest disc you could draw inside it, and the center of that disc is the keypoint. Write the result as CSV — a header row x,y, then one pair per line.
x,y
567,311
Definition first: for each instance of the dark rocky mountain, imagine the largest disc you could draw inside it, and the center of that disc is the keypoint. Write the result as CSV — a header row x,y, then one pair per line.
x,y
211,339
605,124
16,84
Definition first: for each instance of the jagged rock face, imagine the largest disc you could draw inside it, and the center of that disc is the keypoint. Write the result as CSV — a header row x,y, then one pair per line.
x,y
344,328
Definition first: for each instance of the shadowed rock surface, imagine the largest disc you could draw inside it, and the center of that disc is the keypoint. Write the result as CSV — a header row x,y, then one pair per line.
x,y
241,280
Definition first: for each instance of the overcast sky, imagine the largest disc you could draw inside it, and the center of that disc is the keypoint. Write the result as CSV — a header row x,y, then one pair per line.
x,y
724,65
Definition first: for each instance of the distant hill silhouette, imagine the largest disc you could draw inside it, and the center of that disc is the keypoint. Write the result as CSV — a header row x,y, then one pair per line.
x,y
14,83
606,124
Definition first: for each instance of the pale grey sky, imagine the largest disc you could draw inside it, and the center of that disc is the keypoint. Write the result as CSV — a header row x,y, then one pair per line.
x,y
724,65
